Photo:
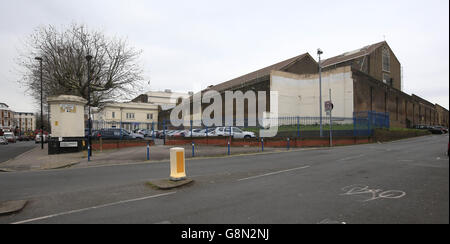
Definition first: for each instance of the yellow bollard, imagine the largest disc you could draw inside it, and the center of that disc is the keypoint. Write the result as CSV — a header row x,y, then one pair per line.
x,y
177,164
84,151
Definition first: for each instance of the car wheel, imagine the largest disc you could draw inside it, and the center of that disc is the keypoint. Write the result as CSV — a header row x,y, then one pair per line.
x,y
247,137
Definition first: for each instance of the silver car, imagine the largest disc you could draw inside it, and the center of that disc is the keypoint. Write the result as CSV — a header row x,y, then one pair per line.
x,y
3,140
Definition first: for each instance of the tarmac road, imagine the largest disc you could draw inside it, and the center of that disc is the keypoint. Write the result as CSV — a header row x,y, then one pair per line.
x,y
398,182
12,150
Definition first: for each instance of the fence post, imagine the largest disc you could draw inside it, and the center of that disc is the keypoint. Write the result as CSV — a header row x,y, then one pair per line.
x,y
262,144
164,132
89,151
148,150
228,147
298,126
120,130
288,143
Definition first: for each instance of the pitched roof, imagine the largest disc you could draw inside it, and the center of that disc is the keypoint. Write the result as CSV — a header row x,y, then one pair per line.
x,y
352,54
242,80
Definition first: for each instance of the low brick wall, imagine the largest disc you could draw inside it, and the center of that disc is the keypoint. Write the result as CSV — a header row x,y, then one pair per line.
x,y
116,144
269,142
383,135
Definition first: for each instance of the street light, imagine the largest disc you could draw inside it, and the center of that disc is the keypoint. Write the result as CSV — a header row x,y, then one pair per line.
x,y
319,52
42,117
88,58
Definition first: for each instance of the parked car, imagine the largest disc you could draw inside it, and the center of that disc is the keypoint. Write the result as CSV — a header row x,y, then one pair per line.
x,y
112,134
235,132
171,132
436,130
442,128
37,139
3,140
136,135
10,137
422,127
195,133
179,133
199,132
147,133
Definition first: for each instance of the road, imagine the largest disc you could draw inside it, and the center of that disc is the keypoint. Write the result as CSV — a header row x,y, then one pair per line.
x,y
12,150
398,182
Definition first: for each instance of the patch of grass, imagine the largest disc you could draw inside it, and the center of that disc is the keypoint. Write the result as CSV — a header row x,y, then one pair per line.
x,y
294,128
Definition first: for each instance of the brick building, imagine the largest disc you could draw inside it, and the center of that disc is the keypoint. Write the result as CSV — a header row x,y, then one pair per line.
x,y
26,122
6,117
367,79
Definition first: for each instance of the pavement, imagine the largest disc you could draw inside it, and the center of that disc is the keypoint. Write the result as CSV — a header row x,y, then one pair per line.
x,y
405,181
13,150
38,159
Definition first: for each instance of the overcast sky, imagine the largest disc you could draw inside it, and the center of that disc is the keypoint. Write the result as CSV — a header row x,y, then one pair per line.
x,y
188,45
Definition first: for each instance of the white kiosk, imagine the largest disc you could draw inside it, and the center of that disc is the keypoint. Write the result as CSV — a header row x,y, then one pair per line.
x,y
67,124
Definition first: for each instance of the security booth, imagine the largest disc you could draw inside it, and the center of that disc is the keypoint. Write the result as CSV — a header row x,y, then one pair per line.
x,y
67,124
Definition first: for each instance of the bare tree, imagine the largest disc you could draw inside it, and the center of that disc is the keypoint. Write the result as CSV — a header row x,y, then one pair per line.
x,y
115,72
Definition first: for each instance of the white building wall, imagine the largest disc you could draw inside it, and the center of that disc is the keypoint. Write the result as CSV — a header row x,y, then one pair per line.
x,y
299,94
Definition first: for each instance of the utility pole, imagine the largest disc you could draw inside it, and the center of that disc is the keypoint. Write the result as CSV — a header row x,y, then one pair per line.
x,y
331,121
88,58
42,117
319,52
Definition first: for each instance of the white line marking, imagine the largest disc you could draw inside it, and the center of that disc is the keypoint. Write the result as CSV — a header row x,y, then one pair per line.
x,y
278,172
353,157
90,208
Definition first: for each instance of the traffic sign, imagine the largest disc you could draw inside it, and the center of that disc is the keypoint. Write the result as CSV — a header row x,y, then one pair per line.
x,y
329,106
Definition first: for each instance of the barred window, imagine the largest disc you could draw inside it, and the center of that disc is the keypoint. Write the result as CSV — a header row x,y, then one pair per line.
x,y
386,58
386,79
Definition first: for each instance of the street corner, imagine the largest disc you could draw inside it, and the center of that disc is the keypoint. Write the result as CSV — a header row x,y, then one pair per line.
x,y
6,170
57,165
10,207
167,184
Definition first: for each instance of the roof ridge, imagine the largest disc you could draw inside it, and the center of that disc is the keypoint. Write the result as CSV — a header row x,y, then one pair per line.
x,y
258,73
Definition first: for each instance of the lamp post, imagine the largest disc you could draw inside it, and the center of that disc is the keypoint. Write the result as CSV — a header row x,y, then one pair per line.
x,y
319,52
42,117
88,58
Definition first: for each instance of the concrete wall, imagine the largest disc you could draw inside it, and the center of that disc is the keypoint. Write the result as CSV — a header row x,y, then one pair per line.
x,y
299,94
67,116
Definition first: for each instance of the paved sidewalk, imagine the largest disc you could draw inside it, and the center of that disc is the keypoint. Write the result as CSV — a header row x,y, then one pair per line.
x,y
37,159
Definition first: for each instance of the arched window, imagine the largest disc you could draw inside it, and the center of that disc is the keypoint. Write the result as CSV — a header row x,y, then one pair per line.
x,y
386,59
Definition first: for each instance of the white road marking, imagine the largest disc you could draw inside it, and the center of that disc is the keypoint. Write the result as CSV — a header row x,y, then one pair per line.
x,y
90,208
353,157
273,173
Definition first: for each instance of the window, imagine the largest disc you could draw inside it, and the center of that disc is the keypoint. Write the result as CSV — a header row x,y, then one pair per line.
x,y
387,79
113,115
130,115
149,116
386,59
